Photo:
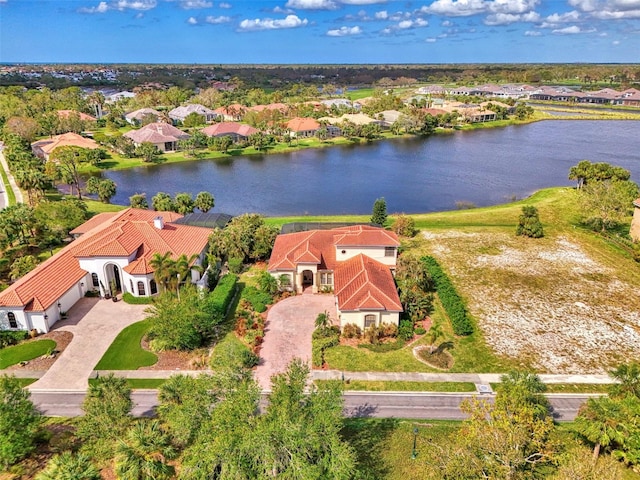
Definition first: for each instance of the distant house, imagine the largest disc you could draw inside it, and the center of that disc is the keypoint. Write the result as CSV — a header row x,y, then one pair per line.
x,y
110,248
341,103
630,97
138,116
43,148
355,118
280,107
389,117
237,131
164,136
353,262
303,127
178,114
114,97
232,113
82,116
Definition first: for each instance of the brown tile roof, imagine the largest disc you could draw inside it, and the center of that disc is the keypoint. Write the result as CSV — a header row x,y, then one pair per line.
x,y
227,128
83,116
271,106
362,283
233,109
319,246
93,222
303,124
158,132
68,139
123,234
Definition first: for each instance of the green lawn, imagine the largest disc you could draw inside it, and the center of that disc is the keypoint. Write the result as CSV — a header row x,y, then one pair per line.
x,y
398,386
24,352
125,353
11,196
134,383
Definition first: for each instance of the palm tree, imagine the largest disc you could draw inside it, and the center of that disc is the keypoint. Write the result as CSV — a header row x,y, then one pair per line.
x,y
599,422
628,374
163,267
323,320
434,333
144,453
183,266
68,466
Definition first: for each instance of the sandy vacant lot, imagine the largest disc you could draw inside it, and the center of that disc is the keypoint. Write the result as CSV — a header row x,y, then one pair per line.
x,y
546,302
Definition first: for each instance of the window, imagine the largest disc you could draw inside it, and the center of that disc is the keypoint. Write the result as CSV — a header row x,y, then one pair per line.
x,y
389,251
94,280
153,287
12,320
369,321
141,292
326,278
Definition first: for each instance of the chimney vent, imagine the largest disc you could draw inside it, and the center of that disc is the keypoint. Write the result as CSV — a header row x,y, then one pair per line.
x,y
158,222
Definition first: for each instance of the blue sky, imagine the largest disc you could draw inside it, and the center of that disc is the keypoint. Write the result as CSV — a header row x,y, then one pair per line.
x,y
319,31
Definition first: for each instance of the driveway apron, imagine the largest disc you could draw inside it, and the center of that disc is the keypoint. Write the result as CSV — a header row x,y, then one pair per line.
x,y
288,330
94,324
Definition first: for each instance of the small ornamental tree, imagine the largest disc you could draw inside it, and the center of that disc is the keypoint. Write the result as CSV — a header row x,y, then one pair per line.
x,y
148,151
379,214
529,223
404,225
204,201
138,200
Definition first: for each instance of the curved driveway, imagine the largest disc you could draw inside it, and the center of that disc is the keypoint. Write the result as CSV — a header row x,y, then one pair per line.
x,y
94,324
288,330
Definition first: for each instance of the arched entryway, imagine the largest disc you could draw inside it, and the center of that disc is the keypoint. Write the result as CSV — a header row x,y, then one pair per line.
x,y
307,279
112,274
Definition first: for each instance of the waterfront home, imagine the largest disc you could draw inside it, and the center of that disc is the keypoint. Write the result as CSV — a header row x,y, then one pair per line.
x,y
111,250
237,131
303,127
354,263
43,148
164,136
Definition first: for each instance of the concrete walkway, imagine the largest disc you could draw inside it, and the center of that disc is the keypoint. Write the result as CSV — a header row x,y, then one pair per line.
x,y
4,199
95,324
288,333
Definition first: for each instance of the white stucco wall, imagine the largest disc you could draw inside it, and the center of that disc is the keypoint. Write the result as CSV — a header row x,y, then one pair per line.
x,y
377,253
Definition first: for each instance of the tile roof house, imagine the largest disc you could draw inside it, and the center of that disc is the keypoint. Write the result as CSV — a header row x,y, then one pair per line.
x,y
110,247
82,116
164,136
232,113
137,116
43,148
178,114
237,131
353,262
631,97
303,127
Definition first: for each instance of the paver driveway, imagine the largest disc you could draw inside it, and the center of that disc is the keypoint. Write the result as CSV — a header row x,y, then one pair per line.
x,y
94,324
288,330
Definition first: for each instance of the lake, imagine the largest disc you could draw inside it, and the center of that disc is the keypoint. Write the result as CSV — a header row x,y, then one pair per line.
x,y
484,167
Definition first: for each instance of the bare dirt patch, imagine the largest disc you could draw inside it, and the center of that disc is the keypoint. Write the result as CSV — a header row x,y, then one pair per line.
x,y
547,302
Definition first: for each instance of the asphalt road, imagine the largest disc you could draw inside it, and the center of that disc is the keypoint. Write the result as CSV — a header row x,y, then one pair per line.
x,y
442,406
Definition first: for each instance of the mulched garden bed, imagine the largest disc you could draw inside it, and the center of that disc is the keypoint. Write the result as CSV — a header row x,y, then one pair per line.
x,y
62,340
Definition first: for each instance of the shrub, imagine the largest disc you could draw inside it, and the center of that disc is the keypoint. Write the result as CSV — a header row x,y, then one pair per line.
x,y
388,330
233,355
268,283
420,331
404,225
221,297
351,330
405,329
92,294
129,298
256,298
10,337
529,223
451,301
372,334
235,265
321,339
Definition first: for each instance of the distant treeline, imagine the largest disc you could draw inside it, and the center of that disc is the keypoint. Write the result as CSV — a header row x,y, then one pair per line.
x,y
126,76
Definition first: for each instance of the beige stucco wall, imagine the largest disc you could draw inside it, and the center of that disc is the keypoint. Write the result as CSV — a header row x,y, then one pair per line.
x,y
377,253
358,318
635,225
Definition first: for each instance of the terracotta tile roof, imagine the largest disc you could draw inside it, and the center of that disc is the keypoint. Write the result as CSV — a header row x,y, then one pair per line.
x,y
303,124
157,132
125,233
271,106
93,222
83,116
362,283
235,109
227,128
319,246
69,139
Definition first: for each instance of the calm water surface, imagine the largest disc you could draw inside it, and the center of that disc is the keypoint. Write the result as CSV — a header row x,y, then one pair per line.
x,y
414,175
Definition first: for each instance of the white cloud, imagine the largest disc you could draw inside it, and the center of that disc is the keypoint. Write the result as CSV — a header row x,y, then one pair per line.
x,y
362,2
284,11
102,7
532,33
382,15
615,42
608,9
344,31
447,23
290,21
431,40
194,4
456,8
571,16
225,5
417,23
572,30
142,5
511,6
509,18
192,21
217,20
312,4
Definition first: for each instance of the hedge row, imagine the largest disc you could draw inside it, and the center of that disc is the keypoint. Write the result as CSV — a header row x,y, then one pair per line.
x,y
322,339
223,294
129,298
257,298
12,337
451,301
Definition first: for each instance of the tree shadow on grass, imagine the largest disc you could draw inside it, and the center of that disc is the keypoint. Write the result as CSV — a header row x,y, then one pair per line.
x,y
368,438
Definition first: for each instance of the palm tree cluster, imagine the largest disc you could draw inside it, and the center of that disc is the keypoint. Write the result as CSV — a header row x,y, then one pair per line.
x,y
170,273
